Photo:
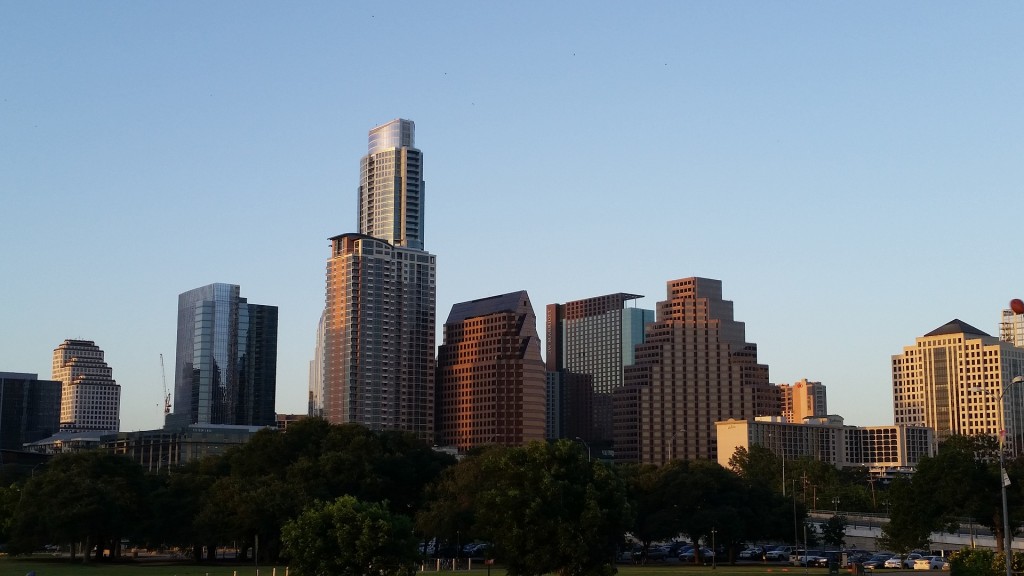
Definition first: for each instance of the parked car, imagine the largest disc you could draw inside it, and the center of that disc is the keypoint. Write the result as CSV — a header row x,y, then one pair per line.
x,y
931,563
893,562
823,559
706,555
902,561
752,553
857,557
779,553
654,554
877,561
804,558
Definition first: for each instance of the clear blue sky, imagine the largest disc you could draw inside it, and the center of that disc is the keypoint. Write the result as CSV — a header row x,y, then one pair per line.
x,y
850,171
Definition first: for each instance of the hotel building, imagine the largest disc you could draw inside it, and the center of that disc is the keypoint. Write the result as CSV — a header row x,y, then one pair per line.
x,y
802,399
883,450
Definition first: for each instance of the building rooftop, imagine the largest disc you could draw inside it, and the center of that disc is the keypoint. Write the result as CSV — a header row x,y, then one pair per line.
x,y
955,326
483,306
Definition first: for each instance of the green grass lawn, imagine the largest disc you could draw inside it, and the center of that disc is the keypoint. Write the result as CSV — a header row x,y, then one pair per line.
x,y
46,566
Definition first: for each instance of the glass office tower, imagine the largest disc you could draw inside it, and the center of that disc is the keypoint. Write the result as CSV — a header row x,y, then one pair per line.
x,y
593,337
226,364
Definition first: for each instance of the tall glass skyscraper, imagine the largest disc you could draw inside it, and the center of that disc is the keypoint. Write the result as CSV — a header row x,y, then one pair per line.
x,y
379,316
225,371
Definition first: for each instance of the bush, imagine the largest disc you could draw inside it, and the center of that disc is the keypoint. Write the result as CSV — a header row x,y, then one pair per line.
x,y
968,562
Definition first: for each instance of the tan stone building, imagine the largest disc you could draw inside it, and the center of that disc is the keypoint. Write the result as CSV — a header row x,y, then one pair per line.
x,y
693,369
90,398
490,374
957,379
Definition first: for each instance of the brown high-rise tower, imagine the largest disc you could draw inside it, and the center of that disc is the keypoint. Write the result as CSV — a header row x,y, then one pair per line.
x,y
491,378
693,370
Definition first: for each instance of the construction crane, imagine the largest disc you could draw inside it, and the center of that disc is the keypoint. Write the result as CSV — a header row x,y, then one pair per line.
x,y
167,395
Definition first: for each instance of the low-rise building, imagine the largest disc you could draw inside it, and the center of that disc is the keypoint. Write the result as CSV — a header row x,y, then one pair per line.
x,y
884,450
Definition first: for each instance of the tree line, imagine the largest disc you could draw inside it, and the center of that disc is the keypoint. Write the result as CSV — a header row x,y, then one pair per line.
x,y
341,499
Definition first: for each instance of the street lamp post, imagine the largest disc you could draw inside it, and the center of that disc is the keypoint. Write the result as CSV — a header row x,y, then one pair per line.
x,y
587,446
714,551
796,541
1004,479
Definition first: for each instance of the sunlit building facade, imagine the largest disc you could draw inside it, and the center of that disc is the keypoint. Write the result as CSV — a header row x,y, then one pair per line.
x,y
391,186
883,450
491,377
957,379
226,363
379,320
316,370
694,368
90,398
1011,328
802,399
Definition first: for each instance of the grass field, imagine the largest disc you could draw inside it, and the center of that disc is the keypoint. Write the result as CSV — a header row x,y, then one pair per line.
x,y
45,566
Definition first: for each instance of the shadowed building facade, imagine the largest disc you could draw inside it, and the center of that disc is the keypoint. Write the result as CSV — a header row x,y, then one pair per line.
x,y
29,409
379,319
595,338
491,377
694,369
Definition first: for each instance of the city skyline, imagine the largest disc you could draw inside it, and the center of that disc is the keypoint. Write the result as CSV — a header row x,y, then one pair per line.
x,y
813,158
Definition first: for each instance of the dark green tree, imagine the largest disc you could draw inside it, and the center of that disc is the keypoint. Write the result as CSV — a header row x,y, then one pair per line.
x,y
9,496
450,508
93,498
912,519
655,511
348,537
833,531
709,498
547,509
961,480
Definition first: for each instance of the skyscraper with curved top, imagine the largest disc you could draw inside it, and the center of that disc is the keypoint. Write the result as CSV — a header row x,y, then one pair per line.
x,y
391,186
378,346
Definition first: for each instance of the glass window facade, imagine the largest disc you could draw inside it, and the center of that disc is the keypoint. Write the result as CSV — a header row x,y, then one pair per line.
x,y
226,363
